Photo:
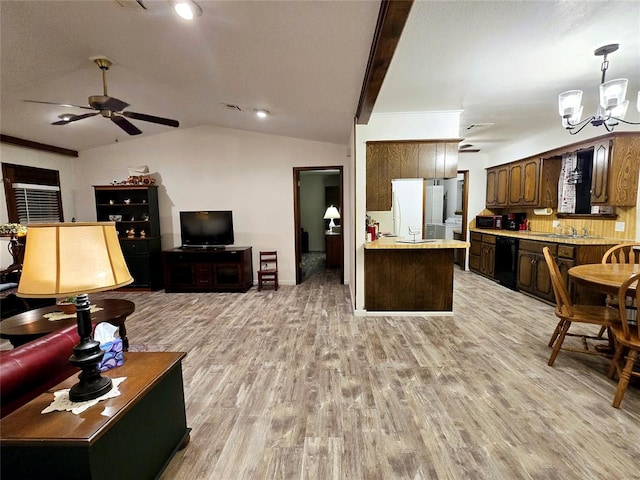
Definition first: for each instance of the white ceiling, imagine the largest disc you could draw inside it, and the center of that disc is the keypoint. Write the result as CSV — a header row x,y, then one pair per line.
x,y
500,62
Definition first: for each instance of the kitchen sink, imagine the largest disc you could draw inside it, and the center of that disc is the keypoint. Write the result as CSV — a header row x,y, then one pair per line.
x,y
555,235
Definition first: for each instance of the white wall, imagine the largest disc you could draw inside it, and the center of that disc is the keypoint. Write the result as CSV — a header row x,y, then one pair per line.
x,y
36,158
212,168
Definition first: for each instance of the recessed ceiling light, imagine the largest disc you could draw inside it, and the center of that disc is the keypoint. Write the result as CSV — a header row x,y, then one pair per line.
x,y
261,113
187,9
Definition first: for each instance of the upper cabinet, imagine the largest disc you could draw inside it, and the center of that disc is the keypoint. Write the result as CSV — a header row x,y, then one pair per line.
x,y
407,159
616,164
531,183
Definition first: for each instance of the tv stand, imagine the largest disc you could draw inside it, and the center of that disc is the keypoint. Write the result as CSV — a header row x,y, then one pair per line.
x,y
226,269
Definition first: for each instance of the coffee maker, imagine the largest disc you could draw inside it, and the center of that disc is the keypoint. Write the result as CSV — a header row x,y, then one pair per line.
x,y
512,221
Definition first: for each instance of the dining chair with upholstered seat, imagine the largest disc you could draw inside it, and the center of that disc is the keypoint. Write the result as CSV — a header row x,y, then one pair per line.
x,y
568,313
268,272
626,336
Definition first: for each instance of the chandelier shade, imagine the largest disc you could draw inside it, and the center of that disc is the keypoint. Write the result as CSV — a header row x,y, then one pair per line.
x,y
612,107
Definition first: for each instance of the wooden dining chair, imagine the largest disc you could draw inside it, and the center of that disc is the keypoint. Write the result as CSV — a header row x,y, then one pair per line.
x,y
268,272
568,313
628,253
626,336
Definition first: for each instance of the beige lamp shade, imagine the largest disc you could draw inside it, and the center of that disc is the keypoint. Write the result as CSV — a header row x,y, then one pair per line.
x,y
65,259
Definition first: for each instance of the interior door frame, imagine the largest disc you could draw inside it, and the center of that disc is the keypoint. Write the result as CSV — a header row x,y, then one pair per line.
x,y
297,220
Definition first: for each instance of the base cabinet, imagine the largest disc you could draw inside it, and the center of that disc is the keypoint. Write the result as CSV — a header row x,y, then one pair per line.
x,y
224,270
482,254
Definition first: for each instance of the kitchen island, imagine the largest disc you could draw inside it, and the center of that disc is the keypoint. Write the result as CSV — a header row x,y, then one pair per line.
x,y
410,277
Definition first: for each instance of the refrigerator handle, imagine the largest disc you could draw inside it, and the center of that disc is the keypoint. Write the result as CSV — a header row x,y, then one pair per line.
x,y
397,218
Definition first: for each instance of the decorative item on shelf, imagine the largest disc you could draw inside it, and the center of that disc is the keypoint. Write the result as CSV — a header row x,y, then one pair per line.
x,y
145,217
67,305
332,213
612,107
143,234
140,176
127,201
111,202
131,233
66,259
115,218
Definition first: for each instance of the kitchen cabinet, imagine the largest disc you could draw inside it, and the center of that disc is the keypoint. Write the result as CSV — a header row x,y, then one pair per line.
x,y
438,160
614,177
533,273
497,186
530,183
138,229
333,248
482,254
407,159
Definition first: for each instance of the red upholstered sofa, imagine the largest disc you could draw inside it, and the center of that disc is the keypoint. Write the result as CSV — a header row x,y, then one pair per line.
x,y
33,368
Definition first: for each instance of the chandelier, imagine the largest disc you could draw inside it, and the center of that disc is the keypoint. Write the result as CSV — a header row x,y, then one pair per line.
x,y
612,108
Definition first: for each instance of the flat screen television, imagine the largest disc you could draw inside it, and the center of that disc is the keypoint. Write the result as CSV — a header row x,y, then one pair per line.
x,y
206,229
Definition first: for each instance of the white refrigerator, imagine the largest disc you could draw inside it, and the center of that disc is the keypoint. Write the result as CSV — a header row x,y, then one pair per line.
x,y
415,204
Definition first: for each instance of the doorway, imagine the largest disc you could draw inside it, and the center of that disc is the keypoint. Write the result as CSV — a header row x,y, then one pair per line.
x,y
315,189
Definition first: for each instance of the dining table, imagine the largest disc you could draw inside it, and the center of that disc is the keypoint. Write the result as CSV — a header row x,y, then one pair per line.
x,y
604,277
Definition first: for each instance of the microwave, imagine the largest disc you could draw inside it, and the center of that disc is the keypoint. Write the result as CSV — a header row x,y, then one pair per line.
x,y
489,221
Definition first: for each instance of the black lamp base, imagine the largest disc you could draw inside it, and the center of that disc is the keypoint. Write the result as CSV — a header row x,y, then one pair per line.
x,y
87,356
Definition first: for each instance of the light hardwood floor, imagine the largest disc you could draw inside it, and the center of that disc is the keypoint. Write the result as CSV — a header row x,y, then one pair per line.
x,y
290,385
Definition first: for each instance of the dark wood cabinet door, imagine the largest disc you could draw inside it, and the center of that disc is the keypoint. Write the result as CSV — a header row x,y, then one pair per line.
x,y
492,182
600,173
531,182
526,271
516,179
543,285
502,187
427,160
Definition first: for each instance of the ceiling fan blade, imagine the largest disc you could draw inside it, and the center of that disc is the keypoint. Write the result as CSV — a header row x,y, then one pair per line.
x,y
151,118
126,125
74,118
59,104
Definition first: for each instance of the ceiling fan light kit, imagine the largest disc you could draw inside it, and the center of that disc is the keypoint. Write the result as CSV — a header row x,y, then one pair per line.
x,y
612,107
187,9
109,107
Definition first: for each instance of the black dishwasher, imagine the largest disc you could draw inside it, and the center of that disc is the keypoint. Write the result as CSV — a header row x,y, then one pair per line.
x,y
506,266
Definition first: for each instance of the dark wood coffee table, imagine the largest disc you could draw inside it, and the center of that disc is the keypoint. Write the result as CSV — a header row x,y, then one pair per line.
x,y
28,326
129,437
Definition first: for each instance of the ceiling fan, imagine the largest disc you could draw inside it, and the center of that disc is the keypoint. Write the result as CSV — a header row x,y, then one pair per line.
x,y
109,107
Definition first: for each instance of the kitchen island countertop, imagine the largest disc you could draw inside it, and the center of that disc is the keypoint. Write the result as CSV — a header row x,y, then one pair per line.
x,y
392,243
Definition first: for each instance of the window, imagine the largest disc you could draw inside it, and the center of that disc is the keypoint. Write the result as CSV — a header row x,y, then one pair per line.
x,y
33,194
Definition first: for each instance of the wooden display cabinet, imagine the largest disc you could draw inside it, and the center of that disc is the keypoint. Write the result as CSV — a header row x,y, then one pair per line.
x,y
138,229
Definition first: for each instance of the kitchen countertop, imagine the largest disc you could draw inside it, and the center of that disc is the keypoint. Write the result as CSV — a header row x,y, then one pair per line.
x,y
391,243
544,237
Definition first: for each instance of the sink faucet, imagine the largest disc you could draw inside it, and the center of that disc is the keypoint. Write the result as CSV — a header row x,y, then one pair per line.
x,y
585,232
573,232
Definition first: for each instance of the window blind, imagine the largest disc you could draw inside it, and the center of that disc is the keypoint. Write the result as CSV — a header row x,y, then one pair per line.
x,y
37,203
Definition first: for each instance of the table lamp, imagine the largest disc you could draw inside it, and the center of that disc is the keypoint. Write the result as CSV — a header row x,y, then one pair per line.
x,y
331,214
75,259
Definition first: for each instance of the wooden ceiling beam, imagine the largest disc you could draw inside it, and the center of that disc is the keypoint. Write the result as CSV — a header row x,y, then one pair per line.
x,y
391,20
37,146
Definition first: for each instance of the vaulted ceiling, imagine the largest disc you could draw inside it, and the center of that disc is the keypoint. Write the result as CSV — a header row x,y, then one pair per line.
x,y
501,63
